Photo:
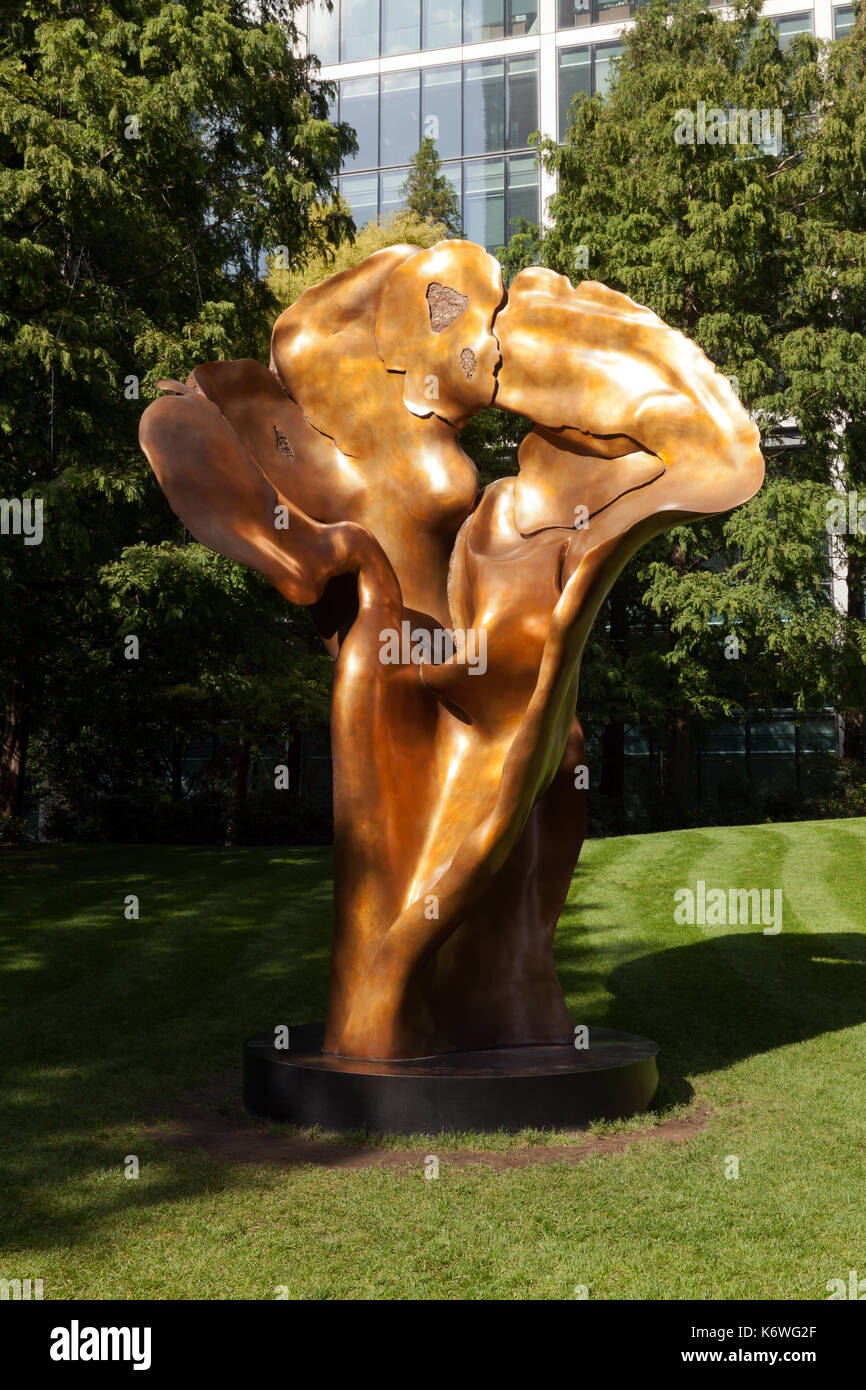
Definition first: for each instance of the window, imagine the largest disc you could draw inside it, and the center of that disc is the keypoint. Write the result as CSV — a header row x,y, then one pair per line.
x,y
609,10
324,32
483,19
522,16
777,737
382,193
442,23
484,202
522,96
605,53
795,24
472,109
401,26
359,106
441,109
818,735
495,191
359,29
583,71
454,175
573,13
575,75
483,106
333,101
843,21
400,108
522,189
361,192
391,190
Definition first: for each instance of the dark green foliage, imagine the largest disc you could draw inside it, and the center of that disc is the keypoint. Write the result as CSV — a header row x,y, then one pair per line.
x,y
759,255
428,193
152,152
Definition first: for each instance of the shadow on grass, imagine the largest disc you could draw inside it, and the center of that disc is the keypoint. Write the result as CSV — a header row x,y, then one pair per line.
x,y
105,1022
111,1022
716,1002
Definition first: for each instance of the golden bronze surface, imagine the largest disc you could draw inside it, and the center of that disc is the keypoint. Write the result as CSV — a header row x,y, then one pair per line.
x,y
338,474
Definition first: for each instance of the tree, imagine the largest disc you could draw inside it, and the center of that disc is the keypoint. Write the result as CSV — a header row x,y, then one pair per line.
x,y
824,360
756,251
153,153
428,193
184,652
399,227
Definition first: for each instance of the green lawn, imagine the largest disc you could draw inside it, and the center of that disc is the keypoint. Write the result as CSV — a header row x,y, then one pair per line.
x,y
108,1024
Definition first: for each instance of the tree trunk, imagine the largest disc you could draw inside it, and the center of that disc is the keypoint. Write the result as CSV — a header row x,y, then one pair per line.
x,y
680,749
612,782
239,789
177,768
13,752
854,745
293,761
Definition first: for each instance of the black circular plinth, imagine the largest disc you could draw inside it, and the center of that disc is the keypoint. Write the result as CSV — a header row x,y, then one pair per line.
x,y
509,1088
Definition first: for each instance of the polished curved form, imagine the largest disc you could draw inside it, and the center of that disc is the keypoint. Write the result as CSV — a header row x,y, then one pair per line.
x,y
457,623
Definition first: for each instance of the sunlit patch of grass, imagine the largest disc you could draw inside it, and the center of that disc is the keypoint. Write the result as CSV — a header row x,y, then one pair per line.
x,y
108,1026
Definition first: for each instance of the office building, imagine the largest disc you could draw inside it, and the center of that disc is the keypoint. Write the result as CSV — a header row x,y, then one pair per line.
x,y
479,76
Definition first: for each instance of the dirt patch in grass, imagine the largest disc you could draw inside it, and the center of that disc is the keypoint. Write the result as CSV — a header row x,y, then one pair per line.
x,y
211,1122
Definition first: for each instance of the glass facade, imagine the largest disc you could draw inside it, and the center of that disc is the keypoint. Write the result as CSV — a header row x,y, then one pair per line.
x,y
401,27
359,106
360,29
605,54
382,28
574,14
491,192
791,25
482,111
442,23
357,29
484,106
843,20
323,33
583,71
442,109
400,108
468,109
521,17
575,77
484,201
521,100
483,19
361,192
477,113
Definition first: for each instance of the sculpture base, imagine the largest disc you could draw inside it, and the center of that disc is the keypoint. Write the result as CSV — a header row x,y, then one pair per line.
x,y
509,1088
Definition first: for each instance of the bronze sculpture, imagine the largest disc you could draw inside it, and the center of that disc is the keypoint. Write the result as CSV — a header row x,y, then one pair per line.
x,y
338,474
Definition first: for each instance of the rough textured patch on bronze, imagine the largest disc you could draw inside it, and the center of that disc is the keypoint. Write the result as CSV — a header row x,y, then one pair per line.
x,y
445,305
467,362
283,444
